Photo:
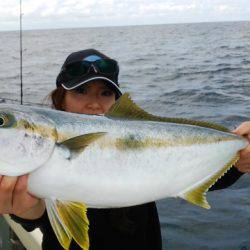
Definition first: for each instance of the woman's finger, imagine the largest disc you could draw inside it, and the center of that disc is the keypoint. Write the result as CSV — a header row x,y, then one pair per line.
x,y
243,129
26,205
243,162
22,200
21,184
7,186
245,153
245,168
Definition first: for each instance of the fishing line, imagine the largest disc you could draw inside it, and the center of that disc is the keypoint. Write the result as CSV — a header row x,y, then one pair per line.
x,y
14,101
21,59
21,54
21,67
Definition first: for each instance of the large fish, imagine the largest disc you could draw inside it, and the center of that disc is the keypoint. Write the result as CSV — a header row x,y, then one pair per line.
x,y
125,158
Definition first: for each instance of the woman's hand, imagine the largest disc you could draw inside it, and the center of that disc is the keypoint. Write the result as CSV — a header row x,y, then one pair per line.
x,y
15,199
243,164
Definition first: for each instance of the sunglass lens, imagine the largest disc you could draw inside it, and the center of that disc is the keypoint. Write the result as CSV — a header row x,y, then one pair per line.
x,y
77,69
107,66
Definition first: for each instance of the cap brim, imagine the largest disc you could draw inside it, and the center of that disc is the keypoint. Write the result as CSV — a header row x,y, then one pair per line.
x,y
113,85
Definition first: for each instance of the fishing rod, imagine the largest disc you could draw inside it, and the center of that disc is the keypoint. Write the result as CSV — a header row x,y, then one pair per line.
x,y
21,57
2,100
21,53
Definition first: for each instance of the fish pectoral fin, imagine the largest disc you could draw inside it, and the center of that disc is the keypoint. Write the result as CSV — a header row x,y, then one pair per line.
x,y
69,220
125,108
77,144
197,195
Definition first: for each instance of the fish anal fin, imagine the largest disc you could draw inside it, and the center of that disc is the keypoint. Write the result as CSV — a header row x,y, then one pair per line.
x,y
125,108
197,195
69,220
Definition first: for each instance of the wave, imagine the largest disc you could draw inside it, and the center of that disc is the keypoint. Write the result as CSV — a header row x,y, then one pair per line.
x,y
199,96
15,77
225,69
245,61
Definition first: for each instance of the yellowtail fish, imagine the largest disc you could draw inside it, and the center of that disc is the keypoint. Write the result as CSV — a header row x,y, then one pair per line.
x,y
125,158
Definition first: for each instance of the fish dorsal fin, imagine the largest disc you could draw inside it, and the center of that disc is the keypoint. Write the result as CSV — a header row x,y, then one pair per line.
x,y
69,220
197,195
125,108
79,143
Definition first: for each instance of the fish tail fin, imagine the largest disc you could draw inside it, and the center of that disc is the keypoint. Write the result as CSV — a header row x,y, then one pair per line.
x,y
197,195
69,221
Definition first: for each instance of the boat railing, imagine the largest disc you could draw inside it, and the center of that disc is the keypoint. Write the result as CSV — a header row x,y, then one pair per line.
x,y
29,240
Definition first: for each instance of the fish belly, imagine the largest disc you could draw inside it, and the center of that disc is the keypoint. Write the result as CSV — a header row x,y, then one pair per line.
x,y
104,178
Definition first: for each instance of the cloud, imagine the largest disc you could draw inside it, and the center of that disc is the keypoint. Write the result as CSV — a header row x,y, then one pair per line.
x,y
166,7
223,8
55,8
8,10
56,13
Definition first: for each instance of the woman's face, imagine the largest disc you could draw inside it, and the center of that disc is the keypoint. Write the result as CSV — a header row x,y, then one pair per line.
x,y
93,99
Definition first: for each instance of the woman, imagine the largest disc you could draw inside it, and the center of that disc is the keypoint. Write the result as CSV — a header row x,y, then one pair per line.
x,y
88,84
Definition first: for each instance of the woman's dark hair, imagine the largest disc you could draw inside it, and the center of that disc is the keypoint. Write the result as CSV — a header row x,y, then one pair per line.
x,y
57,97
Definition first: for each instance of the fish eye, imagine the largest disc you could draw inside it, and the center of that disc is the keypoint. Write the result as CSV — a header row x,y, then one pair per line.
x,y
5,120
1,121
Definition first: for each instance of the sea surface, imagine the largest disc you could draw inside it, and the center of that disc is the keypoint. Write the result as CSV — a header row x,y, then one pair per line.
x,y
199,71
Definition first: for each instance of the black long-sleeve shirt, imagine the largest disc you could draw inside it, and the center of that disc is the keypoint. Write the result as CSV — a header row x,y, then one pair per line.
x,y
109,230
141,229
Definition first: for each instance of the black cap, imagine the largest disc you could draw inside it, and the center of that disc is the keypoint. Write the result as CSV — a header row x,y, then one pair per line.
x,y
92,55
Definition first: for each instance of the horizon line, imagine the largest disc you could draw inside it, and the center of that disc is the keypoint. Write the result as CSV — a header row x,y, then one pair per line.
x,y
124,25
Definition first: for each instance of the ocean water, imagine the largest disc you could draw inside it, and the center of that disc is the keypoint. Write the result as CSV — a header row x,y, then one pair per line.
x,y
199,71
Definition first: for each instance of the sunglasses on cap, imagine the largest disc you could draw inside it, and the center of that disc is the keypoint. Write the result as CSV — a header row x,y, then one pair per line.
x,y
82,68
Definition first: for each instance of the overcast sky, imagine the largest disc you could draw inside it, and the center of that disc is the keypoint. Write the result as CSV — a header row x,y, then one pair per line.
x,y
40,14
